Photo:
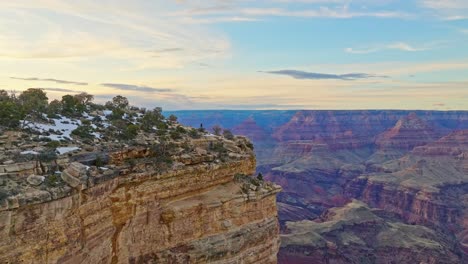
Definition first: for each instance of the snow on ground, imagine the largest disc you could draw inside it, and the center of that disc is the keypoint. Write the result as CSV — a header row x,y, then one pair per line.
x,y
32,152
63,150
96,135
62,124
87,116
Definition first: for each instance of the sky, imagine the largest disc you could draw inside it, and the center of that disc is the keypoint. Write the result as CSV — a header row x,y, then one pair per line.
x,y
244,54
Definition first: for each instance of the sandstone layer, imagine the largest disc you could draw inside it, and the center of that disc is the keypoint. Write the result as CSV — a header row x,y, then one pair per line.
x,y
200,210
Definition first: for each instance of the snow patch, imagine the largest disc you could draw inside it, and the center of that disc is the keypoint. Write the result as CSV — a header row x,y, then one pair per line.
x,y
63,150
63,125
29,152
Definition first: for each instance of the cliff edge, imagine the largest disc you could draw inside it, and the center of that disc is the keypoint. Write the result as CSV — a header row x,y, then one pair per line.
x,y
179,199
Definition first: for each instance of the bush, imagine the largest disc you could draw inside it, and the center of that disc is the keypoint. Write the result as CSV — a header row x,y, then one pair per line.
x,y
217,130
83,132
260,176
52,180
175,135
181,130
47,156
69,105
117,114
131,162
10,114
173,118
152,119
53,144
99,162
34,102
162,152
130,132
218,147
193,133
250,145
228,134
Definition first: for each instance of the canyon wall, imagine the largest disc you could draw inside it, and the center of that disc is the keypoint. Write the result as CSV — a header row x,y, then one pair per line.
x,y
408,163
201,210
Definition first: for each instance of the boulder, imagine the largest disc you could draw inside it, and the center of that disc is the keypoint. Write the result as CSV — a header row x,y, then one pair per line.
x,y
35,180
76,175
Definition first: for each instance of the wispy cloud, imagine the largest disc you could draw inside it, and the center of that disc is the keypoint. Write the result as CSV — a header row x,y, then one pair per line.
x,y
138,88
62,90
49,80
401,46
241,14
324,76
161,52
447,9
215,11
96,30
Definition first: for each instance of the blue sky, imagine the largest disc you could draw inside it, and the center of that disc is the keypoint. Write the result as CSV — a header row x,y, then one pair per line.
x,y
226,54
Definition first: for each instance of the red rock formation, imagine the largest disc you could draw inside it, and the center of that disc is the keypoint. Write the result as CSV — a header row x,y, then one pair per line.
x,y
427,186
251,129
409,132
356,233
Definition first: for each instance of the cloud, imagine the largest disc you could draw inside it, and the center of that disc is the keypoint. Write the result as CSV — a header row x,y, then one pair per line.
x,y
49,80
160,52
401,46
324,76
259,14
447,9
321,12
130,87
105,32
271,106
63,90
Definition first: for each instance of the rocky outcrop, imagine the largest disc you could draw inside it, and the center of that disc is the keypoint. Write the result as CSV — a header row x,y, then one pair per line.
x,y
198,211
356,233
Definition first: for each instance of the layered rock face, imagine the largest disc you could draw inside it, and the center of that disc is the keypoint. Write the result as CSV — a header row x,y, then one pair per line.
x,y
429,185
408,132
201,210
251,129
356,233
259,135
400,161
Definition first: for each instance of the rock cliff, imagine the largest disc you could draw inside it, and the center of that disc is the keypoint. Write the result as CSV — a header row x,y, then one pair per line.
x,y
133,207
428,186
409,163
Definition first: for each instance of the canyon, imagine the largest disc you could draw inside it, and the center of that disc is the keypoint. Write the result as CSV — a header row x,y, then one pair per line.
x,y
409,166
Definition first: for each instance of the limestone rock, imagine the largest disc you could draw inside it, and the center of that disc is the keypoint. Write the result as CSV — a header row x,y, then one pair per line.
x,y
35,180
75,175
